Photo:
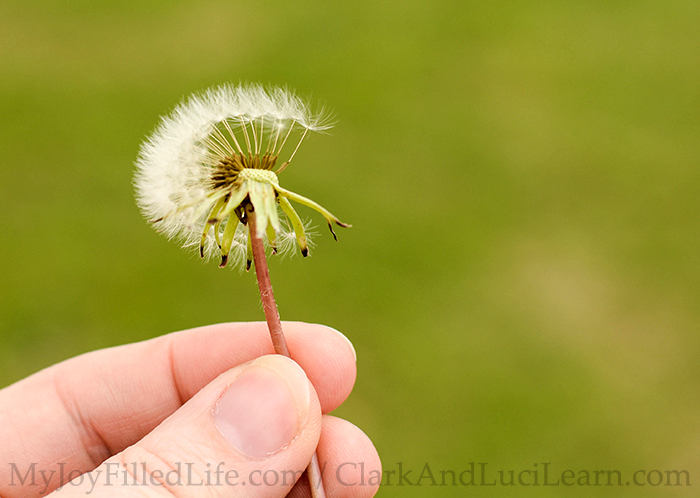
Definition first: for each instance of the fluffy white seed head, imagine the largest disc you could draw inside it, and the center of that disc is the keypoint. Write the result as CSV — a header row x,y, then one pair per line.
x,y
176,164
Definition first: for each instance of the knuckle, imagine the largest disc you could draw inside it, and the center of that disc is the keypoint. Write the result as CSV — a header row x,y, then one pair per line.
x,y
162,473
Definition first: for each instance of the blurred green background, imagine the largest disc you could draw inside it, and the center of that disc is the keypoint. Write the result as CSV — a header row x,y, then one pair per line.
x,y
523,275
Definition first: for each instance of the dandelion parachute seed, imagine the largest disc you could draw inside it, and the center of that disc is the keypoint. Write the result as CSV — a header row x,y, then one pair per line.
x,y
214,157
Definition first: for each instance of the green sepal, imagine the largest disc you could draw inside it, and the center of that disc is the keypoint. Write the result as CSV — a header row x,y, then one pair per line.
x,y
262,196
330,217
249,251
296,224
211,220
272,238
227,239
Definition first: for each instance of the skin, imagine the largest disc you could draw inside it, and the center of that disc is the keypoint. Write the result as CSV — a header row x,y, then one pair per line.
x,y
154,401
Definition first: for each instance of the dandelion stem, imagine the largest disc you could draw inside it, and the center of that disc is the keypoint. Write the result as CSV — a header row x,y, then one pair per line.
x,y
272,315
274,324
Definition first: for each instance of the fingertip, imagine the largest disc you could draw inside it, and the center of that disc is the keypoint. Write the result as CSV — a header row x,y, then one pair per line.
x,y
349,462
347,341
328,359
350,454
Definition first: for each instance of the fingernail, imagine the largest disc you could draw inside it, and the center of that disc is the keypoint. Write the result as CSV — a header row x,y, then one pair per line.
x,y
265,407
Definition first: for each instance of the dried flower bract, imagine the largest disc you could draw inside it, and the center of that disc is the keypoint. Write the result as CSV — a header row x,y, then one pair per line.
x,y
219,152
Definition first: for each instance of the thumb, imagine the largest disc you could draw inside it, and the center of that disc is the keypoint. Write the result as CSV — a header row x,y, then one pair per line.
x,y
251,432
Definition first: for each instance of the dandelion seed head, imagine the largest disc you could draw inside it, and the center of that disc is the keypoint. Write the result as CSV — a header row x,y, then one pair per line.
x,y
216,153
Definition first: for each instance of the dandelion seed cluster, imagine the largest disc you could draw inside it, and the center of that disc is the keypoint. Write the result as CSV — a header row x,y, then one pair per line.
x,y
214,156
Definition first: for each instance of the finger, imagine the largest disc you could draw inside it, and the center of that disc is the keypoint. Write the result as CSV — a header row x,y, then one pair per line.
x,y
251,432
349,462
80,412
326,356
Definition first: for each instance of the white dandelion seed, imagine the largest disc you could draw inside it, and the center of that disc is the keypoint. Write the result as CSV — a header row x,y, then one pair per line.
x,y
214,155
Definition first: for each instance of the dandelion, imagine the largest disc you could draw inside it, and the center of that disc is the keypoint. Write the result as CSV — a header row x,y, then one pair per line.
x,y
218,153
208,177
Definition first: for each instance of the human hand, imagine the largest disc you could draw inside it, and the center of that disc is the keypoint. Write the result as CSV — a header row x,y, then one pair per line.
x,y
200,412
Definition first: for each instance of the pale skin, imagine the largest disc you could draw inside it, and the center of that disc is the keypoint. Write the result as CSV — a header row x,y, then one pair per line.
x,y
161,402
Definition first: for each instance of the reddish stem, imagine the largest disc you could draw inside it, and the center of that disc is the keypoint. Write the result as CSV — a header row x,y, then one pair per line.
x,y
267,297
274,324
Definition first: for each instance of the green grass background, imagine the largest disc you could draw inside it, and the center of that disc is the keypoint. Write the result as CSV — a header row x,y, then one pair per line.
x,y
522,281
